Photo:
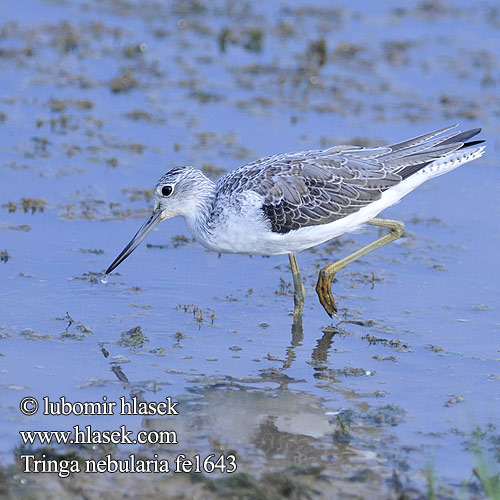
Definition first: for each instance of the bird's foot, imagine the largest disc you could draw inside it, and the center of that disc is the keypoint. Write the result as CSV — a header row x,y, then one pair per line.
x,y
324,291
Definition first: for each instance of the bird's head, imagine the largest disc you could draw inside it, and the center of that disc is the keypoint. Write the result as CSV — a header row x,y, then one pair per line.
x,y
181,191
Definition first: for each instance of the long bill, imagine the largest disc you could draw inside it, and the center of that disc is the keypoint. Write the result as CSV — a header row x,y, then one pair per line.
x,y
144,230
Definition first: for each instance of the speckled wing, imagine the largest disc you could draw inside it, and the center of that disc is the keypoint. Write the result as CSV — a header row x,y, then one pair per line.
x,y
313,187
322,189
318,187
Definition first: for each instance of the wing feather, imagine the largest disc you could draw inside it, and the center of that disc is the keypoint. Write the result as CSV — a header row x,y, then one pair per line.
x,y
321,186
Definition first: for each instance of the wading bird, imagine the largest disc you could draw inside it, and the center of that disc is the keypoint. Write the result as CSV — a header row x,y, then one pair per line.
x,y
286,203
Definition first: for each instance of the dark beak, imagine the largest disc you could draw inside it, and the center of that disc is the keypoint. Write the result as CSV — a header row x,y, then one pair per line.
x,y
144,230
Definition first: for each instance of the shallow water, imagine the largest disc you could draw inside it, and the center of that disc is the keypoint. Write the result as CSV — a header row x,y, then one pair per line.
x,y
398,389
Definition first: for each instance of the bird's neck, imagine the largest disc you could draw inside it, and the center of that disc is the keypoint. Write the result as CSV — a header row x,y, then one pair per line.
x,y
198,219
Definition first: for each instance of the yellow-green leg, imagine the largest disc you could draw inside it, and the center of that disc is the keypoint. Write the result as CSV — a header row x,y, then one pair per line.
x,y
299,294
326,275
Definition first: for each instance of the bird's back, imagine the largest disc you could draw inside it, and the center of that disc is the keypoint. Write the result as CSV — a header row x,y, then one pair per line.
x,y
316,187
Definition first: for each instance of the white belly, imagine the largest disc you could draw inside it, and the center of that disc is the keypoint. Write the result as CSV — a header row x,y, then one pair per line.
x,y
249,234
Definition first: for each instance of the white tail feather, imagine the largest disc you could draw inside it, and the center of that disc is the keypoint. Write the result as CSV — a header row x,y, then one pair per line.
x,y
451,161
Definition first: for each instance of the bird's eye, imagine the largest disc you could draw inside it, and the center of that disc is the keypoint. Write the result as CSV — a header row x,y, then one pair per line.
x,y
166,190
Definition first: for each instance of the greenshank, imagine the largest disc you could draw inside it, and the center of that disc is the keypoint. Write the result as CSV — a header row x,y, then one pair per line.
x,y
286,203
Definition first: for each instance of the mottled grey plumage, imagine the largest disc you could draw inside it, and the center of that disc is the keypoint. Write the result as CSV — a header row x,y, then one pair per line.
x,y
321,186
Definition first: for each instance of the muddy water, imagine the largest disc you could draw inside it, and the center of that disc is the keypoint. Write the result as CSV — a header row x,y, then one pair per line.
x,y
98,100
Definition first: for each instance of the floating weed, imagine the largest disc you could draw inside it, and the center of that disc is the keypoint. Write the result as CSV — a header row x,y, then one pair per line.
x,y
135,147
285,287
250,39
254,39
10,206
158,351
227,298
139,115
332,330
226,143
198,314
224,38
17,166
179,240
212,170
39,148
22,227
396,51
270,357
481,307
349,371
453,400
3,333
317,52
81,330
429,221
124,82
434,348
393,343
97,209
5,256
31,334
92,277
135,194
256,105
272,486
134,50
112,162
58,105
481,440
154,245
205,97
384,358
341,433
95,251
399,345
133,337
385,415
347,50
80,334
359,322
27,205
365,476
